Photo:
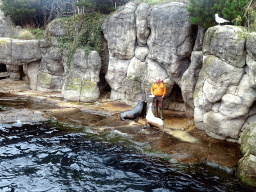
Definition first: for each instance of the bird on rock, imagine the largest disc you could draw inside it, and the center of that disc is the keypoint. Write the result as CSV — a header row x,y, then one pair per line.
x,y
219,19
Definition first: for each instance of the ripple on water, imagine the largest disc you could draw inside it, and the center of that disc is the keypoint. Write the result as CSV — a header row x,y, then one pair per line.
x,y
44,158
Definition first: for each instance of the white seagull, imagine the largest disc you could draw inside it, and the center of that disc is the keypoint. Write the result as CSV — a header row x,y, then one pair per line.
x,y
219,19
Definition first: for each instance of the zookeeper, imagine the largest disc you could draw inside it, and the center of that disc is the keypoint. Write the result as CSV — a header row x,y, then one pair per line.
x,y
158,90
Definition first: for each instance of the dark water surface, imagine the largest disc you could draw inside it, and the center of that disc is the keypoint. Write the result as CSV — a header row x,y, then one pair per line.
x,y
43,157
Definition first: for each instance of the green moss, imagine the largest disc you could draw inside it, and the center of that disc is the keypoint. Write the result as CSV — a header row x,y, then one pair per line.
x,y
88,87
244,145
248,181
4,41
132,84
246,172
44,79
74,84
38,33
242,35
246,138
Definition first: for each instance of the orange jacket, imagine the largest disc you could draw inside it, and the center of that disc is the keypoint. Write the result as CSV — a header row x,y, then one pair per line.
x,y
158,90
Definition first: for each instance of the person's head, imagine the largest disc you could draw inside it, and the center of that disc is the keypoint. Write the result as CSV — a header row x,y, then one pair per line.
x,y
158,81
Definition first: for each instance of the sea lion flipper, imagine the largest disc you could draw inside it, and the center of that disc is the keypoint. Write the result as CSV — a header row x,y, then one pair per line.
x,y
122,116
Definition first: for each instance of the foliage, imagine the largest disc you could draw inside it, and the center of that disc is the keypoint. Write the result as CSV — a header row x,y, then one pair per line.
x,y
202,11
37,33
26,35
85,3
153,2
233,9
250,13
29,34
103,6
21,12
84,31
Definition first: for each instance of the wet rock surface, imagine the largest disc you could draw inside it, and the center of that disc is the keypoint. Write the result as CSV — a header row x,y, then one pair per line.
x,y
180,139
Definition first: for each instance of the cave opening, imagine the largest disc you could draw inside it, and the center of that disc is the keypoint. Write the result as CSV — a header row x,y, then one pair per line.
x,y
3,71
175,100
176,95
3,68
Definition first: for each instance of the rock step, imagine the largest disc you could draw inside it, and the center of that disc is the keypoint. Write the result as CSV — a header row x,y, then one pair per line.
x,y
4,75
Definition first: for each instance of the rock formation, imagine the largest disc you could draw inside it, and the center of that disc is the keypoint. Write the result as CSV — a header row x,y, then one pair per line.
x,y
45,66
214,69
223,95
146,42
81,82
247,165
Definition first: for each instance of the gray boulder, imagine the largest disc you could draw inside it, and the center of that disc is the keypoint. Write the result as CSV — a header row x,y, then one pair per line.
x,y
155,71
233,107
222,125
141,53
171,38
248,140
246,92
76,88
5,50
52,62
120,32
117,72
19,52
199,39
142,13
219,75
7,27
251,45
190,77
48,83
81,83
223,95
25,51
136,69
31,70
56,28
252,70
86,65
226,42
50,75
165,39
247,165
246,170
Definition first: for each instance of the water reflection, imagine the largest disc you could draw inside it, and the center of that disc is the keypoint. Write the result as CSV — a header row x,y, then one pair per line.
x,y
42,157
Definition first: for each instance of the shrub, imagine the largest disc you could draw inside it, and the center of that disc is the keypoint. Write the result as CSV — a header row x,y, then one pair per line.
x,y
84,31
103,6
250,13
153,2
26,35
202,11
37,33
21,12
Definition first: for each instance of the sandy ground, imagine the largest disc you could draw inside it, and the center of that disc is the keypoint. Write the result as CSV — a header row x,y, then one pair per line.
x,y
180,138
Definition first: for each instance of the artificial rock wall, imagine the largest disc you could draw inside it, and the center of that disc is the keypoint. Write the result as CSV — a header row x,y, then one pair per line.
x,y
215,71
225,91
146,42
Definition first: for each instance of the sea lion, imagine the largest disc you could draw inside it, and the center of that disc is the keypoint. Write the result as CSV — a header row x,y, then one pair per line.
x,y
152,120
138,111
